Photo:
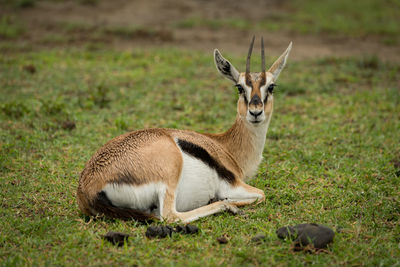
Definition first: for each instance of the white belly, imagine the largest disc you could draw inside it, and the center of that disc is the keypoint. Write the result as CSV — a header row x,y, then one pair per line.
x,y
198,184
141,197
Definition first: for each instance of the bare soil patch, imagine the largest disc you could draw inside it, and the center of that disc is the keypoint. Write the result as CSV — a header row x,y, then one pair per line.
x,y
123,24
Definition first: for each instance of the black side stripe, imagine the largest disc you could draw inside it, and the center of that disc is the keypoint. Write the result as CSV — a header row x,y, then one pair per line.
x,y
103,205
202,154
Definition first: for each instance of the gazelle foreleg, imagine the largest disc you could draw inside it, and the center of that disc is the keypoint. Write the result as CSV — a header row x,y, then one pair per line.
x,y
233,196
170,214
242,194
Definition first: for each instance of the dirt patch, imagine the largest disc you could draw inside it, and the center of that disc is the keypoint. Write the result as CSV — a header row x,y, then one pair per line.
x,y
125,25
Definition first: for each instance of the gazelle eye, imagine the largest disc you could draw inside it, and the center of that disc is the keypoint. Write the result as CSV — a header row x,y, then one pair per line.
x,y
240,88
271,88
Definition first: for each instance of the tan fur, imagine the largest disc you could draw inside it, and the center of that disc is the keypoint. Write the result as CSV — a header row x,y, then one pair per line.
x,y
152,155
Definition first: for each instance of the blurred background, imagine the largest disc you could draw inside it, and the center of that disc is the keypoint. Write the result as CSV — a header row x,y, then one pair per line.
x,y
317,28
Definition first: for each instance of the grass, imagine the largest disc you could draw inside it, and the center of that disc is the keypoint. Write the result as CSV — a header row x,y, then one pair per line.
x,y
331,157
357,18
341,17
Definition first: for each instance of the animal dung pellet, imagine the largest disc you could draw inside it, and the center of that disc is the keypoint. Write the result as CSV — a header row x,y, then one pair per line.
x,y
305,234
160,231
68,125
187,229
258,238
29,68
163,231
116,238
222,240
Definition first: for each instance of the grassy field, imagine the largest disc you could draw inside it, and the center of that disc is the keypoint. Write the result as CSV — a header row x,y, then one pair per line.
x,y
332,156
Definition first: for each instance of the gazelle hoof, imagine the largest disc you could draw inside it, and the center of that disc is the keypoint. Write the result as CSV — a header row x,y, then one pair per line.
x,y
233,209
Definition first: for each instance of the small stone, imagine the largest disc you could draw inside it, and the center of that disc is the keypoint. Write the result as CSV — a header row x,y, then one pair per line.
x,y
317,235
287,232
258,238
222,240
116,238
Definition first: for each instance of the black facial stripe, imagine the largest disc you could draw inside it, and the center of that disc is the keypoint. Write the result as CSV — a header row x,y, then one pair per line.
x,y
242,92
245,98
202,154
255,100
248,81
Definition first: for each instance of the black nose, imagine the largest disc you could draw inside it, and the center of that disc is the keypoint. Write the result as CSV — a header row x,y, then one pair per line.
x,y
255,113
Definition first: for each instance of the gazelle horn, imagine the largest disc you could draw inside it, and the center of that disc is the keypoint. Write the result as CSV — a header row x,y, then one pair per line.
x,y
248,57
262,56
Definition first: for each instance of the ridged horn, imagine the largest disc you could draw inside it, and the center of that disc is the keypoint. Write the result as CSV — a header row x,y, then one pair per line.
x,y
248,56
262,56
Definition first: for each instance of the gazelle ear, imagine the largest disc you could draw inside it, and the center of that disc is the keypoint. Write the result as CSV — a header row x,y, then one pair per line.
x,y
280,63
225,67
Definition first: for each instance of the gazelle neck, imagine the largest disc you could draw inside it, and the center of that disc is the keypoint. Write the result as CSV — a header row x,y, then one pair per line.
x,y
246,143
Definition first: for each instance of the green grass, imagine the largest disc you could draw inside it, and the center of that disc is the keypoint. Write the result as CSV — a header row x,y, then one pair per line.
x,y
331,17
330,156
354,18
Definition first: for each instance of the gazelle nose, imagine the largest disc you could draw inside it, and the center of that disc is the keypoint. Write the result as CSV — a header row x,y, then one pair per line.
x,y
255,113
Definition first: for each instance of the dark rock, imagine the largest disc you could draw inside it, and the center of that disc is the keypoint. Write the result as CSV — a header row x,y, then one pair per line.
x,y
309,233
161,231
222,240
287,231
258,238
116,238
290,231
187,229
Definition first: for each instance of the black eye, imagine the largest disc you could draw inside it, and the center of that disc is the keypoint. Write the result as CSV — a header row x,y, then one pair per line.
x,y
271,88
240,88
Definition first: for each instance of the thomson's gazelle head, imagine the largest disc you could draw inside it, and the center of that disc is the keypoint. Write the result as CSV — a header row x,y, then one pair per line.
x,y
255,88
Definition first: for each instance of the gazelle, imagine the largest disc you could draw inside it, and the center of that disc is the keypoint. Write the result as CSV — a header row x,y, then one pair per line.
x,y
179,175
